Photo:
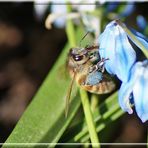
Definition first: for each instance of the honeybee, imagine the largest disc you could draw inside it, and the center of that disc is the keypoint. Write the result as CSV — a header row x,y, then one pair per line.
x,y
87,68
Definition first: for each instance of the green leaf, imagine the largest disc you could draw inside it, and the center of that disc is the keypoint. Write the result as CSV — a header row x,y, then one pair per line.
x,y
105,115
44,120
109,111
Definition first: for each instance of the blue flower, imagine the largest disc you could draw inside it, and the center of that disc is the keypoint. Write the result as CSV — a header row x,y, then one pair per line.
x,y
115,45
141,22
137,86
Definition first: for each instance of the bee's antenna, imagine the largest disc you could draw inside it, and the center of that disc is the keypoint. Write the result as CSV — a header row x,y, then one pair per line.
x,y
83,38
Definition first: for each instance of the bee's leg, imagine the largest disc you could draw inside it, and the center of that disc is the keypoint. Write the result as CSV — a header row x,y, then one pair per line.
x,y
99,66
103,69
93,68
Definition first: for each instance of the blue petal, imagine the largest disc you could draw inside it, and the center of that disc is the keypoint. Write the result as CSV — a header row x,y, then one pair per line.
x,y
114,45
144,116
130,7
139,37
126,89
124,95
59,9
125,55
140,90
107,46
141,22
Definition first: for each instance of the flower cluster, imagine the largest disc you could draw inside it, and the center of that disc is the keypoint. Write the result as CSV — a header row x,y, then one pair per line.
x,y
89,12
115,45
80,10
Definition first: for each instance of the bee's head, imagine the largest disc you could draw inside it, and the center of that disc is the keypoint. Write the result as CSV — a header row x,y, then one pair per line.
x,y
78,55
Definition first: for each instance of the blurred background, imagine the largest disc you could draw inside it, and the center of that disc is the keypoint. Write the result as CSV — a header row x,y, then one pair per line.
x,y
28,51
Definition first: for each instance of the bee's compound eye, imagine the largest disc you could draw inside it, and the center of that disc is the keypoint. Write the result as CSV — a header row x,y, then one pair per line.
x,y
78,57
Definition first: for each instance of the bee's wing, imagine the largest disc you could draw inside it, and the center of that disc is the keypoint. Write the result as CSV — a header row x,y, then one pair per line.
x,y
69,95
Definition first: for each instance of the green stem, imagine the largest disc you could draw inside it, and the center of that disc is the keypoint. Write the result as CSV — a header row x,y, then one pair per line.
x,y
84,98
114,107
132,36
113,115
99,119
94,102
89,119
103,124
70,30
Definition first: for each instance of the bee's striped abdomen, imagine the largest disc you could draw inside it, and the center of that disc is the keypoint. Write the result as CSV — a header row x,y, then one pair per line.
x,y
102,87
